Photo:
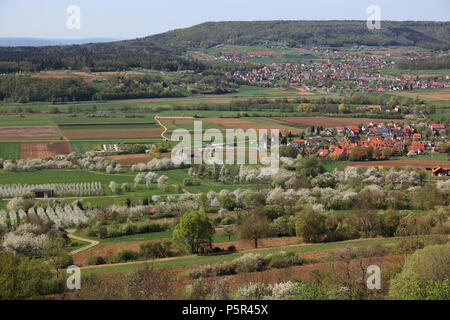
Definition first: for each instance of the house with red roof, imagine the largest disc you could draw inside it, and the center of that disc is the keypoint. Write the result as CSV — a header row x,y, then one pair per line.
x,y
323,152
353,129
371,108
438,126
438,171
417,147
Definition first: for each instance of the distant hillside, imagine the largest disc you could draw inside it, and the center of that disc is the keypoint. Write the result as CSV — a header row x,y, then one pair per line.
x,y
34,42
435,35
162,51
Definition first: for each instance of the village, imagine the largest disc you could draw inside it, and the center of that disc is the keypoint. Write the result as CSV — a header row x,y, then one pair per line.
x,y
339,70
375,141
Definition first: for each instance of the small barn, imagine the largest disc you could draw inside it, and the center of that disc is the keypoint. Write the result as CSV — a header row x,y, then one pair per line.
x,y
43,193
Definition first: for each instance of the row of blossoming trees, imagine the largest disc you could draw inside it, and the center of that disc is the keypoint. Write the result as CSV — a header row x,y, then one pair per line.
x,y
66,216
79,189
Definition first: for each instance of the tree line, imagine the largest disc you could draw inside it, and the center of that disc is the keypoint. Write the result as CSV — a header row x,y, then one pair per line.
x,y
442,62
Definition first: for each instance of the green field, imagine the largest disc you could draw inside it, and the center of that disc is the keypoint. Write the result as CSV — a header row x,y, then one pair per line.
x,y
217,237
331,165
61,176
10,150
427,156
189,261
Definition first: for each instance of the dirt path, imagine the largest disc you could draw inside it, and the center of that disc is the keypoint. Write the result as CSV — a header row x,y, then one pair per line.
x,y
163,126
92,243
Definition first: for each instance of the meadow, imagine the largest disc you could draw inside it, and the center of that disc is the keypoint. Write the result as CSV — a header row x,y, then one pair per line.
x,y
197,260
10,150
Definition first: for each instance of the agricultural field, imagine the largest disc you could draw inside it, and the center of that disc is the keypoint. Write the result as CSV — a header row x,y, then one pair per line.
x,y
249,124
25,132
10,150
428,95
360,178
329,122
35,150
401,163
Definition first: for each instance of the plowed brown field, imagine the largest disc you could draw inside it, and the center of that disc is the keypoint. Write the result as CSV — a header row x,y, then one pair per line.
x,y
130,159
44,149
28,132
400,163
112,133
245,125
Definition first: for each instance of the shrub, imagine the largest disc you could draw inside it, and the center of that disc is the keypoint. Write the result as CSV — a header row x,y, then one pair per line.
x,y
156,249
252,291
425,275
228,220
411,244
284,260
125,256
250,263
95,260
102,232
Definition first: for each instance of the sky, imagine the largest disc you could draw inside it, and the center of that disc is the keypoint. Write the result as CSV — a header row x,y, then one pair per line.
x,y
129,19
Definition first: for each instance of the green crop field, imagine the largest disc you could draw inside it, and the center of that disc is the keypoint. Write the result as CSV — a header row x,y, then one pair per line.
x,y
61,176
189,261
428,156
217,237
10,150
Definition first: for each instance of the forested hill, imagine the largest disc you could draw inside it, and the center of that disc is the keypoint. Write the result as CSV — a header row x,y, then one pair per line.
x,y
162,51
435,35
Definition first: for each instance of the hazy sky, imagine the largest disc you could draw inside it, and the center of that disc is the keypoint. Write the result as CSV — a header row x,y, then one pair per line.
x,y
137,18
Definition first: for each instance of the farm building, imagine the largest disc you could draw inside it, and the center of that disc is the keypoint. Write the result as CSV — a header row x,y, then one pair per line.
x,y
43,193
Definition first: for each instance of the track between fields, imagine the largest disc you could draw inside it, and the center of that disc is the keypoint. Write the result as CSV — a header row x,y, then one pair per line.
x,y
163,126
92,243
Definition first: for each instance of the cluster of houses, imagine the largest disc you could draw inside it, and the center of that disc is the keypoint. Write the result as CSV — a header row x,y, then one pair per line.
x,y
352,70
109,148
243,56
385,139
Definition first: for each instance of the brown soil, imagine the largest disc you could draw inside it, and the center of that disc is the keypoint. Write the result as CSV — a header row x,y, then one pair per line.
x,y
130,159
44,149
109,133
400,163
303,91
107,250
263,243
245,125
28,132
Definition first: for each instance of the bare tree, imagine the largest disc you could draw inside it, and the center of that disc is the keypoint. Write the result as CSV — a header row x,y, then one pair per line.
x,y
254,227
